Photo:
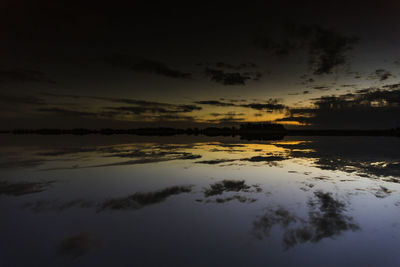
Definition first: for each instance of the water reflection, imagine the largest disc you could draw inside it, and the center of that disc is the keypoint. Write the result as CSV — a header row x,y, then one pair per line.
x,y
22,188
140,200
209,199
79,245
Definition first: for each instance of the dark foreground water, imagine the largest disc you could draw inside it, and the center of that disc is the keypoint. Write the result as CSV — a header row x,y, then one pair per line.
x,y
196,201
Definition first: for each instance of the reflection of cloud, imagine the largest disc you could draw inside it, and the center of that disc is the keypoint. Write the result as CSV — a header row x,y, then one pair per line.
x,y
156,158
262,226
136,201
382,192
366,156
140,200
241,199
327,221
16,163
225,186
136,153
265,158
79,245
22,188
215,161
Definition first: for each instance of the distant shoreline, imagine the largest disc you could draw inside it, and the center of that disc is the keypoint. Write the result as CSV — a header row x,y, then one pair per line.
x,y
244,132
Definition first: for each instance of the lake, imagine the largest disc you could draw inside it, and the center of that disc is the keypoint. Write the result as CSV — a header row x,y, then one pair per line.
x,y
199,201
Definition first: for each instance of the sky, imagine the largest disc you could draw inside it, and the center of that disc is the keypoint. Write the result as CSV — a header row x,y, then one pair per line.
x,y
304,64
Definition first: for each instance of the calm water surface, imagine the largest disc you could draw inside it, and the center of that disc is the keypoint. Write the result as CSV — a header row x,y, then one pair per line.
x,y
197,201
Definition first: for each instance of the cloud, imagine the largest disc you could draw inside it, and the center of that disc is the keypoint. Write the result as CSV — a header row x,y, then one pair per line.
x,y
215,103
381,74
161,109
22,76
227,78
136,107
146,66
270,105
21,100
366,109
66,112
224,65
326,48
321,88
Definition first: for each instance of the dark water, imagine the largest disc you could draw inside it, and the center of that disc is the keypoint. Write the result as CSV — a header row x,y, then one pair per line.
x,y
180,201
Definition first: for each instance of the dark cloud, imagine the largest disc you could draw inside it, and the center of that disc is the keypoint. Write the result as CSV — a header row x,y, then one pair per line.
x,y
228,120
227,78
224,65
21,100
23,76
321,88
154,108
136,107
270,105
392,86
381,74
66,112
326,48
146,66
367,109
215,103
